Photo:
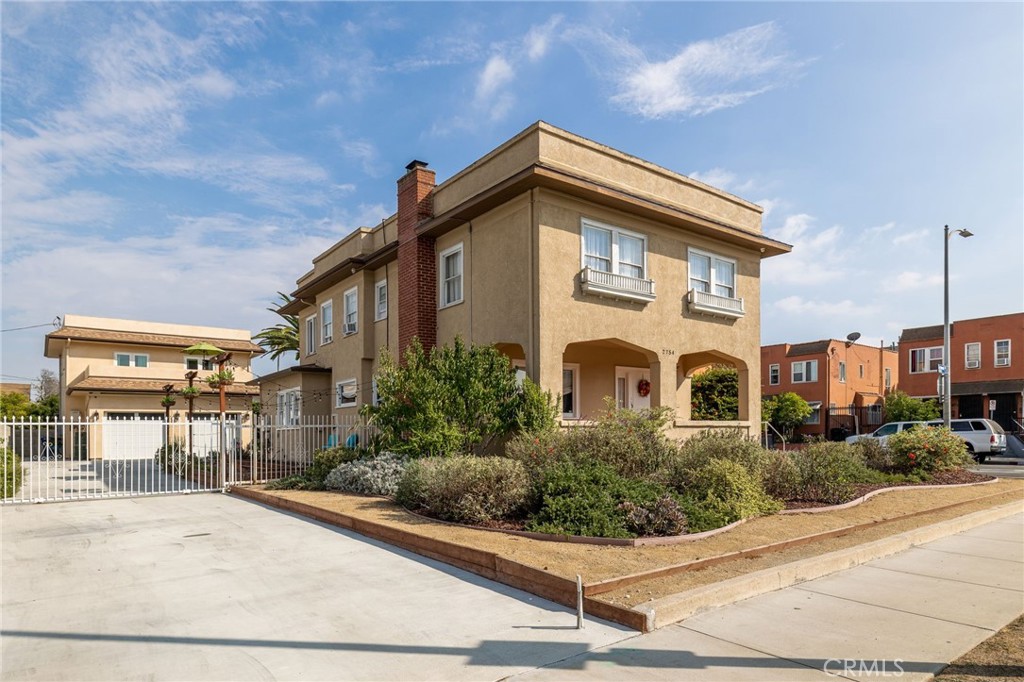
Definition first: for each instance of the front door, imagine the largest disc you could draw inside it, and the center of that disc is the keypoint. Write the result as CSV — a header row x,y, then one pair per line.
x,y
1005,413
969,407
633,387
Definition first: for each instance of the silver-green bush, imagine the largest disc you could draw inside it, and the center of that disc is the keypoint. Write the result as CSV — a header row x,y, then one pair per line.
x,y
465,489
375,476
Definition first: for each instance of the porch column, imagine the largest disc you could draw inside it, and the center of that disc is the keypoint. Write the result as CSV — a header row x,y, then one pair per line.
x,y
663,384
549,375
747,411
684,406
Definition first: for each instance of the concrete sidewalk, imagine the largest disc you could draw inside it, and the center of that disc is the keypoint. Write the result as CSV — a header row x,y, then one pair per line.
x,y
904,616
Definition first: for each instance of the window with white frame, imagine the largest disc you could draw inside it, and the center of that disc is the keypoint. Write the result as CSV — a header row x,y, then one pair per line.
x,y
570,391
326,322
380,297
611,249
842,372
351,311
925,359
773,375
451,276
288,407
712,274
804,371
311,334
1002,353
196,362
345,392
972,355
131,359
888,378
815,416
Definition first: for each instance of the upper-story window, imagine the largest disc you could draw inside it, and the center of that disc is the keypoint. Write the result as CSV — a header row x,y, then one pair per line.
x,y
311,334
196,362
450,276
972,355
713,284
131,359
614,262
1002,353
351,311
888,378
925,359
380,297
773,375
804,371
614,250
327,322
842,372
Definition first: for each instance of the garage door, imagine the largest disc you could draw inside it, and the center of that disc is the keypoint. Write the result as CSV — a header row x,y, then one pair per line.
x,y
132,435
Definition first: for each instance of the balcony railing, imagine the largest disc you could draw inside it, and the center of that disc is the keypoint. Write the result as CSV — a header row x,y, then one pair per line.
x,y
616,286
712,304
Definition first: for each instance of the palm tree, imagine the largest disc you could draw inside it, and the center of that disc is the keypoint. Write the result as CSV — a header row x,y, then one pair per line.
x,y
282,337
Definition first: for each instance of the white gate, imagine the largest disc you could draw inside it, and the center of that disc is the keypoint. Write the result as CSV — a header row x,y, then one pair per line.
x,y
49,461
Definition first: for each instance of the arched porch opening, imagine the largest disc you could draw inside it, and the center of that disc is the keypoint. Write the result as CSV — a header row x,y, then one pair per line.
x,y
627,374
693,364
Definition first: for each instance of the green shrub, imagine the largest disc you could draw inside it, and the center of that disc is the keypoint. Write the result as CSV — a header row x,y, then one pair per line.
x,y
12,472
373,476
465,489
927,450
633,442
786,412
875,455
664,517
715,394
710,445
780,477
293,482
900,407
537,451
586,498
727,492
327,460
828,472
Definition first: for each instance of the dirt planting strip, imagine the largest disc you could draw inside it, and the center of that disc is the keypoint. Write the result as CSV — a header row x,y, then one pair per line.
x,y
618,580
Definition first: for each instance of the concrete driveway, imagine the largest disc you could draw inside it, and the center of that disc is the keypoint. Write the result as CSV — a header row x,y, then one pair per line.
x,y
211,587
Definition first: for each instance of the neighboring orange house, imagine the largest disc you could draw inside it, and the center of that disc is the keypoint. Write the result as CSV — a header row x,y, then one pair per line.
x,y
844,382
986,367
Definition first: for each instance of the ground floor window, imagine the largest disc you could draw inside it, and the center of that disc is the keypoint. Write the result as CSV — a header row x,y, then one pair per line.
x,y
570,391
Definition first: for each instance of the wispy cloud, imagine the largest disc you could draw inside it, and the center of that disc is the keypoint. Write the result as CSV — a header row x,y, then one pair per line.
x,y
539,38
488,96
909,237
815,259
797,305
879,229
363,152
915,280
700,78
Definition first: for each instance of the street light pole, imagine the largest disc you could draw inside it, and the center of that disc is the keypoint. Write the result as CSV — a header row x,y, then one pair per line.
x,y
947,381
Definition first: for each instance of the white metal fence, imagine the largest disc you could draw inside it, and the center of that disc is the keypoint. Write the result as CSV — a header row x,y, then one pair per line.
x,y
48,461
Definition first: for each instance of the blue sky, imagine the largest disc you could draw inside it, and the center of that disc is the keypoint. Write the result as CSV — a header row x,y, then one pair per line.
x,y
182,162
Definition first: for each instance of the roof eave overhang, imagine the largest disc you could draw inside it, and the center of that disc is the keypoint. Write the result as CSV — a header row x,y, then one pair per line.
x,y
306,294
541,175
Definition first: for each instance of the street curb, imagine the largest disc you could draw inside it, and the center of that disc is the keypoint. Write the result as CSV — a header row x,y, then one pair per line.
x,y
677,607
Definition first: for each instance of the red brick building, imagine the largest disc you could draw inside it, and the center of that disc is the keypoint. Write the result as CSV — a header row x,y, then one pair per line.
x,y
850,378
986,366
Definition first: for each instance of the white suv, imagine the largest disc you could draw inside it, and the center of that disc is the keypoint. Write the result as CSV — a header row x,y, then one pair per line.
x,y
984,437
882,433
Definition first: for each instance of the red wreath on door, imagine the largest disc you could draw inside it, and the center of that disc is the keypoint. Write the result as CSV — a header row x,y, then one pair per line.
x,y
643,387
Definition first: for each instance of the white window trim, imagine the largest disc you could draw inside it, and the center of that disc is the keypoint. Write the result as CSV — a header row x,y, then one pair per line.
x,y
714,282
339,390
377,315
927,359
575,414
283,416
995,350
199,363
842,372
804,380
311,334
354,329
131,358
616,231
326,327
967,355
778,374
888,378
442,278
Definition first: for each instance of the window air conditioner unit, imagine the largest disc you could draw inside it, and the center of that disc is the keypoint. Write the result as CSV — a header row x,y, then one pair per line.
x,y
973,364
350,327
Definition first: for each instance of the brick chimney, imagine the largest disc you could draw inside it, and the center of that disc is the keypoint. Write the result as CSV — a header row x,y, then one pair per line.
x,y
417,262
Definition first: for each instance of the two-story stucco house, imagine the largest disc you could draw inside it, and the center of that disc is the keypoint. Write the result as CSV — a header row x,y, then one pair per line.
x,y
111,368
598,273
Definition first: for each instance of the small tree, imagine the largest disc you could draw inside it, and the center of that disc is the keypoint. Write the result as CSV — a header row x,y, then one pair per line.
x,y
900,407
453,400
283,337
785,412
49,387
715,394
14,405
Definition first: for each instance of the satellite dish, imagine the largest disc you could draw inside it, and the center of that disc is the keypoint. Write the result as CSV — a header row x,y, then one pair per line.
x,y
852,336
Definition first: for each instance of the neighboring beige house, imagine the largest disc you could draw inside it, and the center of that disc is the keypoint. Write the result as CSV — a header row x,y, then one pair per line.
x,y
11,387
113,368
598,273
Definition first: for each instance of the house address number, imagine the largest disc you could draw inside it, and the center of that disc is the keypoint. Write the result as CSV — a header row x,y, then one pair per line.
x,y
667,351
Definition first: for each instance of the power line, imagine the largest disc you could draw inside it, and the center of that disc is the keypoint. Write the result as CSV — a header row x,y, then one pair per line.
x,y
55,323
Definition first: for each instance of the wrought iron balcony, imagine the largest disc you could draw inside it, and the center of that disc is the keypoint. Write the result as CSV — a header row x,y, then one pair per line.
x,y
712,304
612,285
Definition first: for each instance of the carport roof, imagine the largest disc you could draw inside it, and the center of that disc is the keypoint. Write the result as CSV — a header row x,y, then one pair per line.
x,y
156,386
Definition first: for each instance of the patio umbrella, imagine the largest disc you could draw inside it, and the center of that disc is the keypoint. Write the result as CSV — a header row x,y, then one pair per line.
x,y
203,348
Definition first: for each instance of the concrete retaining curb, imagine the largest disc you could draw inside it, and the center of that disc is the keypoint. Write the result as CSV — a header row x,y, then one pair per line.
x,y
677,607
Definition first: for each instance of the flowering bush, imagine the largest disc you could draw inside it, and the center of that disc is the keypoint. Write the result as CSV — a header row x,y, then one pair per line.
x,y
375,476
927,449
